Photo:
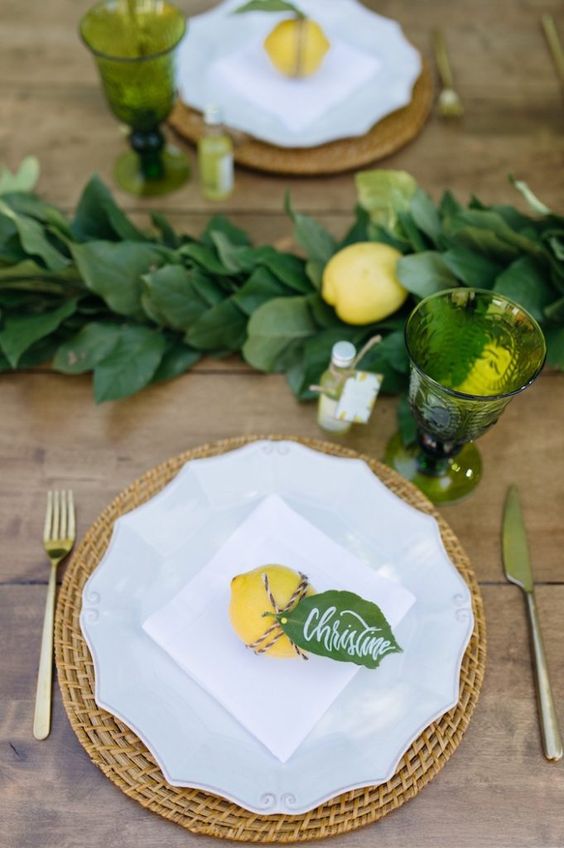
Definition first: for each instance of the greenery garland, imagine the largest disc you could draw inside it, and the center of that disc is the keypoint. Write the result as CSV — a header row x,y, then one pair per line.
x,y
96,293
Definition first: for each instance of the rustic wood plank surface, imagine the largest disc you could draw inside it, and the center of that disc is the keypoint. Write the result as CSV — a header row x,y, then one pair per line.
x,y
497,790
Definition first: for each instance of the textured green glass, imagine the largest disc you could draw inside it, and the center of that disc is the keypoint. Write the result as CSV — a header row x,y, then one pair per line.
x,y
133,43
471,351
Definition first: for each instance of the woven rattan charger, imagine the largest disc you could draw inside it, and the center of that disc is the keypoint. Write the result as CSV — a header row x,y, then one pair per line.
x,y
347,154
127,762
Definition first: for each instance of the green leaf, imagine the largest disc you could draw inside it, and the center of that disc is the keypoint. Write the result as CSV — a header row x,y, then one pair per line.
x,y
384,194
317,242
178,358
524,282
359,229
341,626
205,257
223,326
221,224
314,271
172,296
449,205
87,348
425,214
227,252
273,328
19,332
487,230
261,287
98,217
115,271
34,240
24,179
471,268
533,201
555,311
289,269
425,273
45,213
406,422
168,235
407,226
130,365
555,347
268,6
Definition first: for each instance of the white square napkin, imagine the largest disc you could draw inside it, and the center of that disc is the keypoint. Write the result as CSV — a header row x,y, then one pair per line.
x,y
296,102
279,701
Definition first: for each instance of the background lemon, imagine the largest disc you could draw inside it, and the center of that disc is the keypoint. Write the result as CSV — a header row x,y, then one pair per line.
x,y
361,282
296,47
249,601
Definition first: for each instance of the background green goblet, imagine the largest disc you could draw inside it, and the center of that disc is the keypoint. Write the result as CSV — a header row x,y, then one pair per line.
x,y
133,42
471,351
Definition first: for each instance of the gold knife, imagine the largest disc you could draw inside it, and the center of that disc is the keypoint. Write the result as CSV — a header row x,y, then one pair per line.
x,y
518,570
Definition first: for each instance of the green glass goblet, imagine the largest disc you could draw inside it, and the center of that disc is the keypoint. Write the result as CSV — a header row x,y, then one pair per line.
x,y
133,43
471,351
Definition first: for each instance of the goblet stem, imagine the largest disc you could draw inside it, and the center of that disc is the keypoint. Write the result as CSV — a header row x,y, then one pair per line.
x,y
148,145
433,458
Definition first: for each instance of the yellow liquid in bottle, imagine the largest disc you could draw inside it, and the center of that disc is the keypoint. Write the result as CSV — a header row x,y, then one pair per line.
x,y
215,161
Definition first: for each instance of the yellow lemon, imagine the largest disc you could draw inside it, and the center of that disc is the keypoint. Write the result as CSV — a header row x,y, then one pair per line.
x,y
361,282
296,47
251,598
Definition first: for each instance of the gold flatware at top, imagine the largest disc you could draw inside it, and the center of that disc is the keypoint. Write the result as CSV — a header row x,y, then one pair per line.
x,y
58,539
449,104
518,570
551,35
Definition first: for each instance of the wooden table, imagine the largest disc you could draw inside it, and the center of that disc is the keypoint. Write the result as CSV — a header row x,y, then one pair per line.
x,y
497,790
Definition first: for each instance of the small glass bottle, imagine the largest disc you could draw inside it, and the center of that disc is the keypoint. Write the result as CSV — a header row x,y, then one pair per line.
x,y
332,383
215,157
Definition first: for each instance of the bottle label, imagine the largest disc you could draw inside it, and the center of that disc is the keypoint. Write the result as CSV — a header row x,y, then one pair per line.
x,y
225,174
327,416
357,399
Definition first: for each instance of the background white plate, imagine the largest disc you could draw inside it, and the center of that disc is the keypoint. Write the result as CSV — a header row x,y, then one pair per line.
x,y
218,33
362,737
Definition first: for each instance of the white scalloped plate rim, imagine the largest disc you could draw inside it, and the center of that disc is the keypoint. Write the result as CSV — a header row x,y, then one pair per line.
x,y
286,802
351,118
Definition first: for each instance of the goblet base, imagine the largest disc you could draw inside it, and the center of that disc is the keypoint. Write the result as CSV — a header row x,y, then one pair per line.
x,y
129,176
458,477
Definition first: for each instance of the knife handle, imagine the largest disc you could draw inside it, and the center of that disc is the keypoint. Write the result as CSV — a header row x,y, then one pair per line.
x,y
551,738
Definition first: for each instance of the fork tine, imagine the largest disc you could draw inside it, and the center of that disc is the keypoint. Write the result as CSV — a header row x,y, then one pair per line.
x,y
71,517
48,517
64,511
56,514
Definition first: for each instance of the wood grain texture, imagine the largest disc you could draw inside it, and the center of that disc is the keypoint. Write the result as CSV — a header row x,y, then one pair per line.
x,y
497,790
54,436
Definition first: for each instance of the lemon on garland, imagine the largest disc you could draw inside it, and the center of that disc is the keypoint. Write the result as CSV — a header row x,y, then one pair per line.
x,y
361,282
296,46
256,597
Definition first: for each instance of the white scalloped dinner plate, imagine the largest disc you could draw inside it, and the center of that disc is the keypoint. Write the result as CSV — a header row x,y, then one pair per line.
x,y
217,33
361,738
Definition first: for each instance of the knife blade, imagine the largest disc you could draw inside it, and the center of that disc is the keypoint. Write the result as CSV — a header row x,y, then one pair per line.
x,y
517,565
516,561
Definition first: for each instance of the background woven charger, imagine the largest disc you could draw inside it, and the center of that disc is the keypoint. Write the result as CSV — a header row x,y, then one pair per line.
x,y
125,760
388,135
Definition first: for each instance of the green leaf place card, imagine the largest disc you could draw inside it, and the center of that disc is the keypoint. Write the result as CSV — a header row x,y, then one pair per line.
x,y
342,626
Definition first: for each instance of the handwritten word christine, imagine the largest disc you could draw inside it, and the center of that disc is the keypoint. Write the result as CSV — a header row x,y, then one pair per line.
x,y
356,637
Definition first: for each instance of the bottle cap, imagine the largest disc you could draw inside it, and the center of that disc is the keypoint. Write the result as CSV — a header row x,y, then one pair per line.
x,y
343,354
212,114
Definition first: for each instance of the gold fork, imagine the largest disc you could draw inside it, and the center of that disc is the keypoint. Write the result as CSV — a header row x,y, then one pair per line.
x,y
450,104
58,539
